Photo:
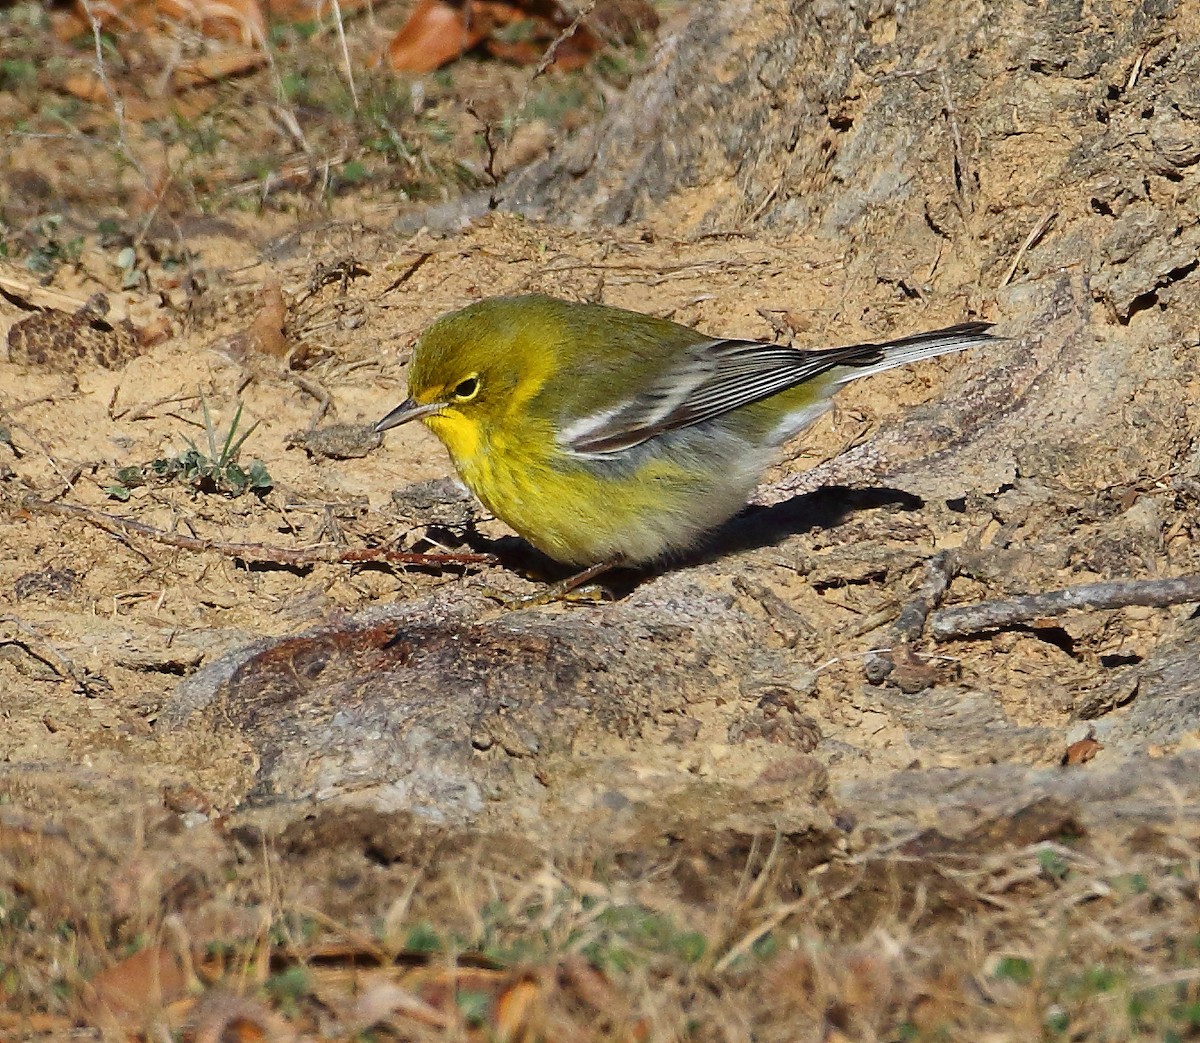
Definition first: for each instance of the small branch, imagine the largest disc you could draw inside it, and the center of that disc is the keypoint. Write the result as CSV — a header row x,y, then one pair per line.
x,y
35,296
44,652
1031,241
254,551
337,14
1136,71
940,570
114,99
552,51
962,620
67,480
961,176
412,269
145,411
492,147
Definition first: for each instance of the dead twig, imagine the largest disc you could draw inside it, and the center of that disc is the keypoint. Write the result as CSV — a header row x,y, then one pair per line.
x,y
349,66
33,644
963,620
119,526
1031,241
67,480
114,99
35,296
940,570
411,270
961,176
492,150
145,410
1136,71
552,51
751,938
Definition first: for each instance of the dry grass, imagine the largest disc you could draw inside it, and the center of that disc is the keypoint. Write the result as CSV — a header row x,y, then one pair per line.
x,y
163,925
294,137
456,937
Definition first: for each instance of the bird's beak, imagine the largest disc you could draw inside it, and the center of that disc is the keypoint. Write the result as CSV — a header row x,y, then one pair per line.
x,y
406,411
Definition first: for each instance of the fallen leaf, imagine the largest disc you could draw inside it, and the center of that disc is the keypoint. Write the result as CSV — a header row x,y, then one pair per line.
x,y
573,53
267,332
1082,751
517,1011
156,331
439,32
225,1018
623,20
435,33
385,1002
213,68
240,20
85,86
310,10
139,986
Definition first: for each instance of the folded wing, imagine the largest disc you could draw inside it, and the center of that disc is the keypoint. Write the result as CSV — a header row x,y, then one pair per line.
x,y
714,377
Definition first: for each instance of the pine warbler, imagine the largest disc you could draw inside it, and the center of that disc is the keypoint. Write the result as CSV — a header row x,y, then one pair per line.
x,y
606,437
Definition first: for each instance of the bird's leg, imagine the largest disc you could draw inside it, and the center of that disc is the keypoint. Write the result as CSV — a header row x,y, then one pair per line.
x,y
560,590
573,583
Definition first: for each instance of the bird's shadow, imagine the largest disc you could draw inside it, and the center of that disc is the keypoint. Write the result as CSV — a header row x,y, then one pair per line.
x,y
825,508
752,528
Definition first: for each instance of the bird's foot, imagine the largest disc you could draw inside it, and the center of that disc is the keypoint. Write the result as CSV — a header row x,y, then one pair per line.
x,y
576,588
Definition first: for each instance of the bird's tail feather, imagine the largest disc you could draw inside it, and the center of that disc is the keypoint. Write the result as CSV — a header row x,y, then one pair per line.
x,y
921,346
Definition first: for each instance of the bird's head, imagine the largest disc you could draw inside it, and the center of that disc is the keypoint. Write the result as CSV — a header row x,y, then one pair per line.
x,y
475,370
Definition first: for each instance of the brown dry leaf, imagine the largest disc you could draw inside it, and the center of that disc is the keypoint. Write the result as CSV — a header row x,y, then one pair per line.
x,y
595,991
85,86
1082,751
547,20
156,331
592,987
382,1001
136,109
440,987
152,193
140,986
68,25
240,20
213,68
267,333
573,53
310,10
438,32
518,1011
435,33
224,1018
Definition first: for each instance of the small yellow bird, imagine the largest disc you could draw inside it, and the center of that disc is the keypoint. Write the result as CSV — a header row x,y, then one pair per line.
x,y
606,437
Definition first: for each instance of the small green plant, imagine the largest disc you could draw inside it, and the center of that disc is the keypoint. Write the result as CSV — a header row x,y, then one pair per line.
x,y
353,173
216,472
17,72
288,989
1014,968
474,1006
47,250
1052,863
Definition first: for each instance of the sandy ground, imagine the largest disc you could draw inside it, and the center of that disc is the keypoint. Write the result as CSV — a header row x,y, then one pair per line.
x,y
195,744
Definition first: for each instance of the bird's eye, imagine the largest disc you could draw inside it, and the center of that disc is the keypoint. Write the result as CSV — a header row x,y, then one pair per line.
x,y
467,389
